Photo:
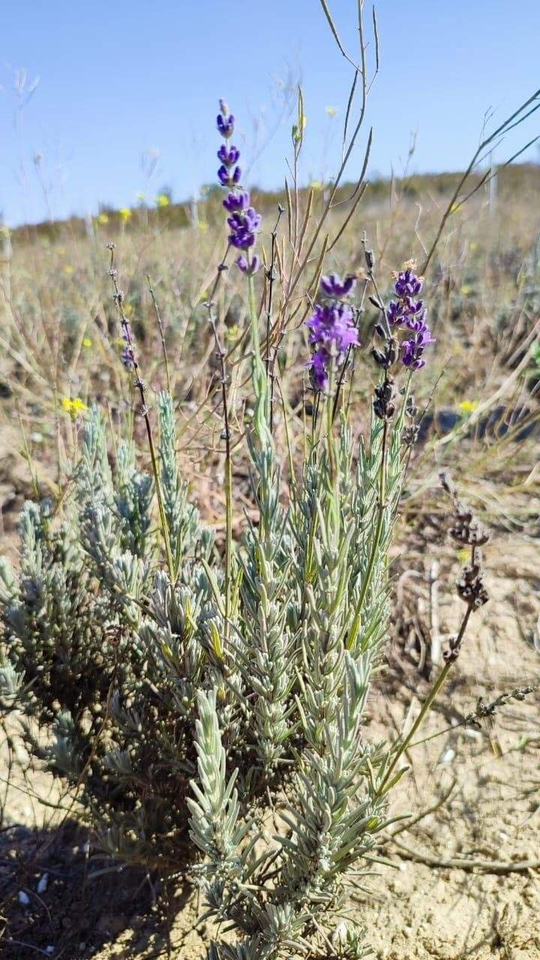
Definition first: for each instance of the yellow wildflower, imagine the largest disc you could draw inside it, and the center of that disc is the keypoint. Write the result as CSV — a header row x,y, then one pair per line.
x,y
466,289
203,226
87,342
468,406
74,407
125,213
69,269
103,218
331,111
473,245
316,185
232,333
162,200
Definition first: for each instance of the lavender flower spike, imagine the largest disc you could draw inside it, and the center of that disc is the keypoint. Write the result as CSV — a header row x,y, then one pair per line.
x,y
332,333
244,221
407,312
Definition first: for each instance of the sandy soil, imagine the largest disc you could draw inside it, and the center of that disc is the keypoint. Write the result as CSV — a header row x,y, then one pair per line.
x,y
460,887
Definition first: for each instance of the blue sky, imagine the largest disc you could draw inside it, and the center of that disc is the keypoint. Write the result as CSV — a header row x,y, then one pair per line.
x,y
125,79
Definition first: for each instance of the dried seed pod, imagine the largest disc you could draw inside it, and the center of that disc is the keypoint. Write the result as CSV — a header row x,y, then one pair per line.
x,y
379,357
410,434
466,529
383,405
370,258
470,585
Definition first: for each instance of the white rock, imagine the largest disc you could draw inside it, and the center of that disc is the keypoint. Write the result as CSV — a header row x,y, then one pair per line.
x,y
43,883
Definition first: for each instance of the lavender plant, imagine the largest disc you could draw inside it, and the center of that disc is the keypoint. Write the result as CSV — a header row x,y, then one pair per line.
x,y
205,701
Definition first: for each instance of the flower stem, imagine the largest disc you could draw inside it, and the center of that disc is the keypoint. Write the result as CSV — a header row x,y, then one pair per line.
x,y
221,355
260,380
357,621
426,706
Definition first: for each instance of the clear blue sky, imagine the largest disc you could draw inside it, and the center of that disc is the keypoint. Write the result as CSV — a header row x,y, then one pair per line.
x,y
122,77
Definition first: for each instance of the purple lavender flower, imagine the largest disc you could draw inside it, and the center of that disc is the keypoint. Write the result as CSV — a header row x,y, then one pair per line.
x,y
244,221
228,155
413,348
395,314
228,178
333,323
225,124
332,286
319,369
248,268
236,201
412,314
244,225
408,284
332,334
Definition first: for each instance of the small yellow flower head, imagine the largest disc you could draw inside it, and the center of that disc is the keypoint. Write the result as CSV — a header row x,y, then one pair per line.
x,y
203,226
103,218
331,111
232,333
468,406
465,290
68,269
162,200
128,309
316,185
87,342
473,245
125,213
74,407
5,231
